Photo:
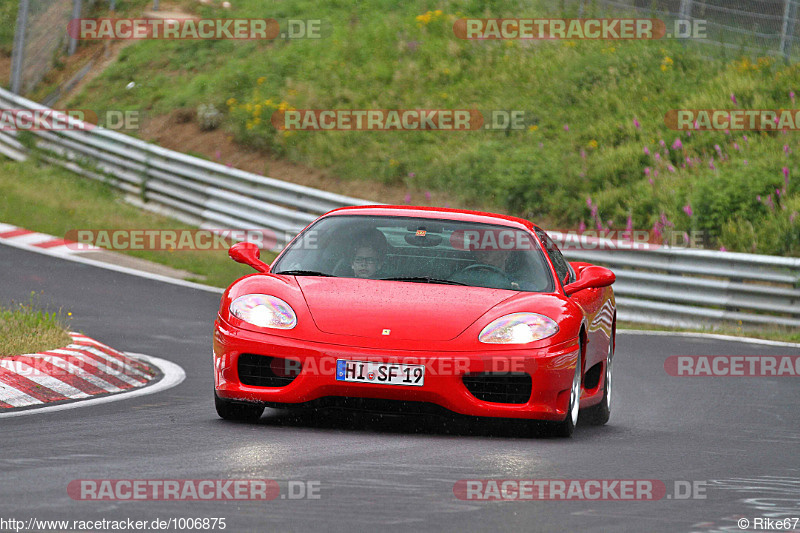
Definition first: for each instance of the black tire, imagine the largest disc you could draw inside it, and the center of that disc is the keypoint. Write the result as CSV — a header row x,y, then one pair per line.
x,y
241,412
567,427
597,415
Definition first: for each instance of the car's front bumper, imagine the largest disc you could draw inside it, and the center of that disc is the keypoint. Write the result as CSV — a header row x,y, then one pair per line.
x,y
551,370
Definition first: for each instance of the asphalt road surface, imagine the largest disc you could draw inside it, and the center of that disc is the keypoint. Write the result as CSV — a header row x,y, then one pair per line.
x,y
735,438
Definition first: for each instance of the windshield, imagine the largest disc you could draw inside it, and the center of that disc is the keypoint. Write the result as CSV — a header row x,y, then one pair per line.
x,y
418,250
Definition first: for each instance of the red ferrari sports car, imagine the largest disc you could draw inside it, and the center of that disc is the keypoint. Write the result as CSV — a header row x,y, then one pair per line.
x,y
473,312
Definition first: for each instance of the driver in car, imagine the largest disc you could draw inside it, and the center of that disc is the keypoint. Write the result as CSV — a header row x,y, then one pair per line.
x,y
501,267
366,262
368,254
498,259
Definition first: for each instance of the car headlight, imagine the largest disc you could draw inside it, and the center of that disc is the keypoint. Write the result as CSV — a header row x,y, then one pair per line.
x,y
518,328
264,311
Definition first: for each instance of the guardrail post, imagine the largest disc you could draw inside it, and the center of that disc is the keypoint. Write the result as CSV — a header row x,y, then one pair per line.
x,y
686,10
145,178
18,53
76,14
787,30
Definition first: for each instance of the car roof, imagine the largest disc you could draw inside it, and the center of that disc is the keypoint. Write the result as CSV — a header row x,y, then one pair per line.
x,y
445,213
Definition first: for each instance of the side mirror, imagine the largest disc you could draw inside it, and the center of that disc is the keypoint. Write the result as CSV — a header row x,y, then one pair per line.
x,y
591,277
578,267
248,253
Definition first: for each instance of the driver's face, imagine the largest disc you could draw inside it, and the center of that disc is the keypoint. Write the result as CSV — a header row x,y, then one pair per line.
x,y
366,262
495,258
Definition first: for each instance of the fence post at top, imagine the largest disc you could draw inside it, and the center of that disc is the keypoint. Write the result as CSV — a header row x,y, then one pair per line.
x,y
76,14
18,52
686,10
787,31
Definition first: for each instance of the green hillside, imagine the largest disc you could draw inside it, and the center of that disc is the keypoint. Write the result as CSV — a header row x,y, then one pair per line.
x,y
594,149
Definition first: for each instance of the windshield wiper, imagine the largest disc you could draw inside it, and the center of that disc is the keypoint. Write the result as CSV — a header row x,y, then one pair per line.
x,y
424,279
303,273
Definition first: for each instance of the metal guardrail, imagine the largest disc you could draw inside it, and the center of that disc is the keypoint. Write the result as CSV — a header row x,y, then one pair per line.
x,y
667,286
197,191
688,287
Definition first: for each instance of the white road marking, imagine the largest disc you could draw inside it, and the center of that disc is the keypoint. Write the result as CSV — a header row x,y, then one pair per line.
x,y
15,397
42,379
33,238
173,376
108,369
129,370
115,268
80,372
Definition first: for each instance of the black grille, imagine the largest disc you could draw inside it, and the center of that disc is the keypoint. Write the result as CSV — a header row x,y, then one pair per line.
x,y
499,388
263,371
379,405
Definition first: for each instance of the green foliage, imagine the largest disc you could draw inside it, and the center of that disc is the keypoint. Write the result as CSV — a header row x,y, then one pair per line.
x,y
29,328
582,101
8,14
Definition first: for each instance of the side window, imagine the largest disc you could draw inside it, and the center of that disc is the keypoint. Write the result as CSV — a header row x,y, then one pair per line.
x,y
563,268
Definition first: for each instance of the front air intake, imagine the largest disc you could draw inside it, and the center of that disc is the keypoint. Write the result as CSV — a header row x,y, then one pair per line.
x,y
500,387
264,371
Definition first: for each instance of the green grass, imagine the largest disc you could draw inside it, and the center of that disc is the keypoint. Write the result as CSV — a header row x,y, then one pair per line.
x,y
8,16
79,203
26,328
380,56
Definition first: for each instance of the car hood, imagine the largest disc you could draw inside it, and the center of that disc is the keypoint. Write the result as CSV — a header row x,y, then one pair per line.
x,y
396,310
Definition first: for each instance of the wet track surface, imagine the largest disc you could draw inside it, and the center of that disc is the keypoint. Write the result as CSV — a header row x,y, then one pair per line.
x,y
739,436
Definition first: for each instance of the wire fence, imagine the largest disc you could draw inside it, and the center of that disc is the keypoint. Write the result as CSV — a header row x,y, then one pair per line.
x,y
747,27
40,37
41,40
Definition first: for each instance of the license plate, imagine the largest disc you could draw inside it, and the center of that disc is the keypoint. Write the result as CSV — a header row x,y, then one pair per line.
x,y
380,373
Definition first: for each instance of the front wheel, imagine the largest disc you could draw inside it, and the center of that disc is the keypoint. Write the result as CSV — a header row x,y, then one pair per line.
x,y
597,415
567,427
237,411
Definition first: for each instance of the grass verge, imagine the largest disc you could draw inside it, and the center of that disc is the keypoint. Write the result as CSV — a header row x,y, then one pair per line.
x,y
76,203
767,333
26,328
